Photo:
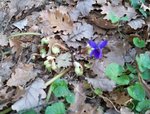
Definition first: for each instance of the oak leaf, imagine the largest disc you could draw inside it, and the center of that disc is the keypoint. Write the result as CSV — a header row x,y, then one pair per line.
x,y
58,20
119,11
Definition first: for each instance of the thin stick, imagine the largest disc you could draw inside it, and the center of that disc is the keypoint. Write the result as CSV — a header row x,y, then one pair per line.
x,y
57,76
110,102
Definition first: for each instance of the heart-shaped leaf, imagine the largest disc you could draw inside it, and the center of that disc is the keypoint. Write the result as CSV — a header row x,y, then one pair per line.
x,y
136,91
138,43
143,105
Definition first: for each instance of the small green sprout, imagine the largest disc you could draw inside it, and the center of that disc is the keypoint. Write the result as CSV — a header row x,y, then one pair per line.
x,y
78,68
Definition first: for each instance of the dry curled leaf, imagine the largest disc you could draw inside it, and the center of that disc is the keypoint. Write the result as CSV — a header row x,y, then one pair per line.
x,y
23,74
16,45
137,23
95,19
33,96
21,24
64,60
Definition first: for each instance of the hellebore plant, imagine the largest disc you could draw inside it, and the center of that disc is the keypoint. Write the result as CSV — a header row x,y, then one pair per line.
x,y
97,48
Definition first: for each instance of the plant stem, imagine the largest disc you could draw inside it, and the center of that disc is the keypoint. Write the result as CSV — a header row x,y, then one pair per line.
x,y
110,102
24,33
57,76
49,94
6,111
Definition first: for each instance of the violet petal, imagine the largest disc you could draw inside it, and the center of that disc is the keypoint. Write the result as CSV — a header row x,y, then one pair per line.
x,y
102,44
92,44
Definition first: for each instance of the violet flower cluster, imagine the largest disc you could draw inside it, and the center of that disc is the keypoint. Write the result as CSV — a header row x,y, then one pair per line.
x,y
97,48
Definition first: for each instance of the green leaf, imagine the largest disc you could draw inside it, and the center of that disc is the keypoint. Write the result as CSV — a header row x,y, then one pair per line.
x,y
60,88
113,70
143,105
144,13
30,111
70,98
131,68
138,43
122,80
113,17
143,61
136,3
146,75
137,91
56,108
98,91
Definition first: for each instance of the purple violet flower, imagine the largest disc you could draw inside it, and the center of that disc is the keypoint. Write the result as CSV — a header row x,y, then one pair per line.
x,y
97,48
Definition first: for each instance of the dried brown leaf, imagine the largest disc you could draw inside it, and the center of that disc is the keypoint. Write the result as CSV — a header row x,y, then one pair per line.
x,y
33,96
20,5
82,7
74,44
64,60
16,45
119,11
119,98
102,83
5,70
23,74
79,99
80,31
5,96
58,20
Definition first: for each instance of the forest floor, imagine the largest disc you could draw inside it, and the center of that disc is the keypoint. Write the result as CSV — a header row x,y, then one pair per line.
x,y
74,57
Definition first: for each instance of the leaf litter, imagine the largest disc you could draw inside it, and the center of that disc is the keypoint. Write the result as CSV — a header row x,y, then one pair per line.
x,y
66,27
